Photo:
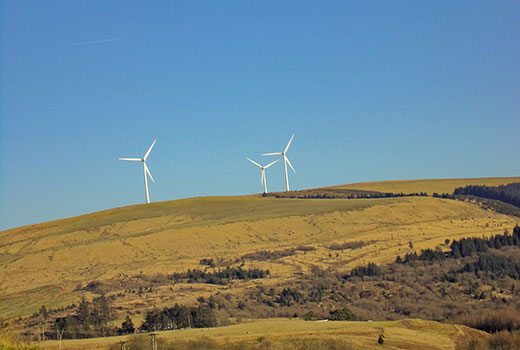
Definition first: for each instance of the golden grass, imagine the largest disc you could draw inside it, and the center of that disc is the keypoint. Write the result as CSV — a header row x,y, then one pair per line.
x,y
404,334
11,342
428,186
45,263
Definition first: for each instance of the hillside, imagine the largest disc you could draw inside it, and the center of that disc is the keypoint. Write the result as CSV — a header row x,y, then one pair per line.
x,y
125,249
282,333
429,186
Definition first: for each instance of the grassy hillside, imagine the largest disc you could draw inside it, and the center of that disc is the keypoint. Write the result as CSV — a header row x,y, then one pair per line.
x,y
53,263
404,334
429,186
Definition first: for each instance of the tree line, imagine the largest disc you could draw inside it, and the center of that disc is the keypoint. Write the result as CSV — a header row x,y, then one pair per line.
x,y
506,193
340,193
91,319
496,265
221,277
178,317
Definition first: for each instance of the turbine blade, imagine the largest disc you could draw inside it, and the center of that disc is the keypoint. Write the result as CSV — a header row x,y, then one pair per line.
x,y
149,150
268,165
272,154
262,177
287,147
289,162
148,172
131,159
255,163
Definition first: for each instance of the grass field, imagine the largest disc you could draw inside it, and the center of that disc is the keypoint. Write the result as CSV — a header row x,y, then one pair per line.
x,y
404,334
49,263
428,186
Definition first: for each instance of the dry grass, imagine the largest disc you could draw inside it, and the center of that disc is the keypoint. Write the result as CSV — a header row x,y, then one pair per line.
x,y
405,334
46,263
11,342
428,186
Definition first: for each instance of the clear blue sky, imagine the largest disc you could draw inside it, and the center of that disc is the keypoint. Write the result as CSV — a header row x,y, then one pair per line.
x,y
373,90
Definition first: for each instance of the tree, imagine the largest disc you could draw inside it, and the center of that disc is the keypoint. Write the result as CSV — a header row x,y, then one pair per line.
x,y
370,270
44,312
42,321
101,310
342,315
83,313
127,327
60,325
203,317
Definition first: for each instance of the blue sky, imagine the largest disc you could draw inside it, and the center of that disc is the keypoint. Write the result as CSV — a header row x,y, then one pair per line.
x,y
373,90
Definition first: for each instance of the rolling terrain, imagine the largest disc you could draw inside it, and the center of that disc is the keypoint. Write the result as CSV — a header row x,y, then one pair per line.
x,y
403,334
121,250
429,186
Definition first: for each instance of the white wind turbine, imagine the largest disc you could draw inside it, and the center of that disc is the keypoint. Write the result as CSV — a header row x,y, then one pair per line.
x,y
263,180
285,162
145,169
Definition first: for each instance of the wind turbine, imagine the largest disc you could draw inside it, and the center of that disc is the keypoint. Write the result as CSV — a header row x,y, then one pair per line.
x,y
145,169
263,180
285,162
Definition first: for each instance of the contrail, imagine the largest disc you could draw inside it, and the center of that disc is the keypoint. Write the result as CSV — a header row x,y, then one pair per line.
x,y
97,41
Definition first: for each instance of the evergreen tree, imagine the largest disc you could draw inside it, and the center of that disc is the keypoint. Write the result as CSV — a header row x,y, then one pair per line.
x,y
101,310
44,312
342,315
127,327
83,313
203,317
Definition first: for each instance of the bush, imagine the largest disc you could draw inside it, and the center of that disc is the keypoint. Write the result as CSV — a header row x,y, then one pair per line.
x,y
221,277
505,341
499,341
494,321
370,270
349,245
342,315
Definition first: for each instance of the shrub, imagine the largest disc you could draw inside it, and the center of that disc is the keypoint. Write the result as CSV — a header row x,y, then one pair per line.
x,y
221,277
349,245
494,321
498,341
370,270
342,315
207,262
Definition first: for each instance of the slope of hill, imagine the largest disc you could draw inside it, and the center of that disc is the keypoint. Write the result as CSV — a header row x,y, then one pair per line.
x,y
114,251
427,185
297,334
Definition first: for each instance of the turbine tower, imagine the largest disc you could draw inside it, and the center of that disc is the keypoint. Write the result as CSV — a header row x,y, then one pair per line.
x,y
145,169
285,162
263,180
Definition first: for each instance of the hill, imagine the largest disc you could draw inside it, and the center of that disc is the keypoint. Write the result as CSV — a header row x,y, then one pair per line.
x,y
130,253
429,186
297,334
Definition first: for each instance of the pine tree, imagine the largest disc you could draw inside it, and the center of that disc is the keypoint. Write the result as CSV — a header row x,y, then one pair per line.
x,y
83,313
127,327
